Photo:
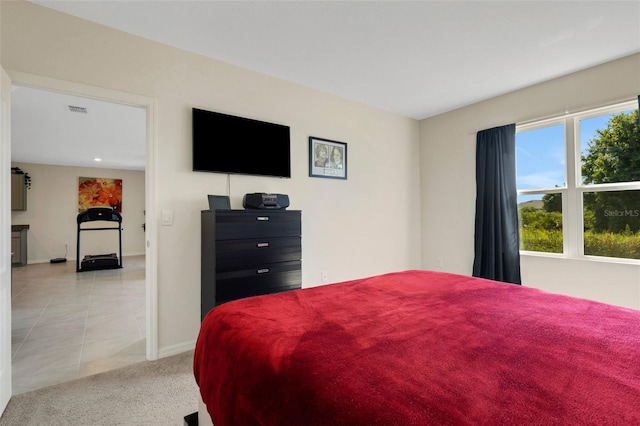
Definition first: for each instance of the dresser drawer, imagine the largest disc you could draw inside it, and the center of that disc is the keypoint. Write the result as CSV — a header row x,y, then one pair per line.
x,y
257,224
257,281
240,254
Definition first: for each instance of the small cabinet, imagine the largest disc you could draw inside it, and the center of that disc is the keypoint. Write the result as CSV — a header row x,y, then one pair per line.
x,y
19,245
16,250
18,192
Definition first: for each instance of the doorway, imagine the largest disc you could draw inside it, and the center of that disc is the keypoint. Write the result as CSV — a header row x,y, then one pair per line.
x,y
136,279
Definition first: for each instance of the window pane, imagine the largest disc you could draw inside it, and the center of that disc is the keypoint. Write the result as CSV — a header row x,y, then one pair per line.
x,y
609,146
540,158
540,218
612,224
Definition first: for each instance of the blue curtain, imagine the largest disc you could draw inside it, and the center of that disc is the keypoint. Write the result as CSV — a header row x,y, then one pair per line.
x,y
497,255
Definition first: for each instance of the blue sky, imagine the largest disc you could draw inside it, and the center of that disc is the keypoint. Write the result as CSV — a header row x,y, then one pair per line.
x,y
540,158
540,153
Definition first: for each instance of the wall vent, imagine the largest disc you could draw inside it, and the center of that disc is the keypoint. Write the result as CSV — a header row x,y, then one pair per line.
x,y
81,110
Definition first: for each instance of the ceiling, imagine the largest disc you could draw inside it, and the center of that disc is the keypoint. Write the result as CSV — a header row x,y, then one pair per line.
x,y
413,58
56,128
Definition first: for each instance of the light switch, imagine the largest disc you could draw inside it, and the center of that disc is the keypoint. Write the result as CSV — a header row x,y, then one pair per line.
x,y
167,217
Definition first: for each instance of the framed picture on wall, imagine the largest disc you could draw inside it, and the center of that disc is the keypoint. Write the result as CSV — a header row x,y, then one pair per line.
x,y
99,192
327,158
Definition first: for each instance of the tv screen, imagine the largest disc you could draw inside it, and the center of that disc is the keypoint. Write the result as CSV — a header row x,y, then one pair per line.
x,y
225,143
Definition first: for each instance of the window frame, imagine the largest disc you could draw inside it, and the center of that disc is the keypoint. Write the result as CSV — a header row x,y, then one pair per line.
x,y
573,190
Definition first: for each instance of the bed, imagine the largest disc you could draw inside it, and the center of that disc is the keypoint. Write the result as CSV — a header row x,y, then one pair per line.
x,y
419,348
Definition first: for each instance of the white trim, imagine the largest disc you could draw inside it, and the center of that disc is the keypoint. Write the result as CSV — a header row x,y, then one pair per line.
x,y
535,122
572,242
607,109
547,122
555,190
620,260
151,167
151,229
177,349
5,238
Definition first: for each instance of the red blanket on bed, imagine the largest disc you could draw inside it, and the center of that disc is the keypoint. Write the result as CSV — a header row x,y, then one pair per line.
x,y
419,348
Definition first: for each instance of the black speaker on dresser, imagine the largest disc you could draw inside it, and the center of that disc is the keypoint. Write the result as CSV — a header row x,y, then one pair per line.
x,y
260,200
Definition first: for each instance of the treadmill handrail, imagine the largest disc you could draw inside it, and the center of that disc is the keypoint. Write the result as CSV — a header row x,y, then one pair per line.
x,y
99,213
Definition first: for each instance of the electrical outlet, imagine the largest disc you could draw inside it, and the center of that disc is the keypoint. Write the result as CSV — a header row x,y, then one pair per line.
x,y
324,276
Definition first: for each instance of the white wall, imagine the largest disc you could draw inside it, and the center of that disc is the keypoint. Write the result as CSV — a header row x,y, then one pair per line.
x,y
52,209
363,226
448,180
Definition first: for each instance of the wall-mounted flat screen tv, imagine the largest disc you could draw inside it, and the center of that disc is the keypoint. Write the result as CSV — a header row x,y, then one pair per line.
x,y
225,143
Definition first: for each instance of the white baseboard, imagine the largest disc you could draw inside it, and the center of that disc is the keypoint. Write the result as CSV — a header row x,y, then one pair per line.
x,y
33,262
73,259
176,349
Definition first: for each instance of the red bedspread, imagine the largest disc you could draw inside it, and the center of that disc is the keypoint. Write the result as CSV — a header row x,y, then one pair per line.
x,y
419,348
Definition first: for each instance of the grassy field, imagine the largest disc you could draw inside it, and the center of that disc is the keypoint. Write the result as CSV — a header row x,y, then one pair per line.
x,y
623,245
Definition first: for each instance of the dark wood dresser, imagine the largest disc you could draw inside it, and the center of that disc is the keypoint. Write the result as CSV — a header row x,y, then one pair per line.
x,y
249,253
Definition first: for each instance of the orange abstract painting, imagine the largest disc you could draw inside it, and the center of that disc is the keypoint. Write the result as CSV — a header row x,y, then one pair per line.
x,y
99,192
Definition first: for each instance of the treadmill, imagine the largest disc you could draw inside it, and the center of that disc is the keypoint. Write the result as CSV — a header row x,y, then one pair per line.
x,y
99,261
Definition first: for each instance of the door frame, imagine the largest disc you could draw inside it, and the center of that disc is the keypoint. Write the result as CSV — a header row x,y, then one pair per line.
x,y
5,238
151,169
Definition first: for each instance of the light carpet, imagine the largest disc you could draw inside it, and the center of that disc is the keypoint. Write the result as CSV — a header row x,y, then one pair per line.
x,y
158,392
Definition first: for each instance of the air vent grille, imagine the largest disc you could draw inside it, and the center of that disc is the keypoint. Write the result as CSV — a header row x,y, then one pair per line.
x,y
81,110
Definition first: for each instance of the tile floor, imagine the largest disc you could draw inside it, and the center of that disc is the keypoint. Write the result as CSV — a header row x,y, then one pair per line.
x,y
67,324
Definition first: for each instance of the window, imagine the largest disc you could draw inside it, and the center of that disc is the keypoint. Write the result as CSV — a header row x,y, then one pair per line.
x,y
578,180
541,175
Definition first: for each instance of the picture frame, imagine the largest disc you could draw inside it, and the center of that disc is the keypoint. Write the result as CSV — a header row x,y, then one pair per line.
x,y
327,158
99,192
